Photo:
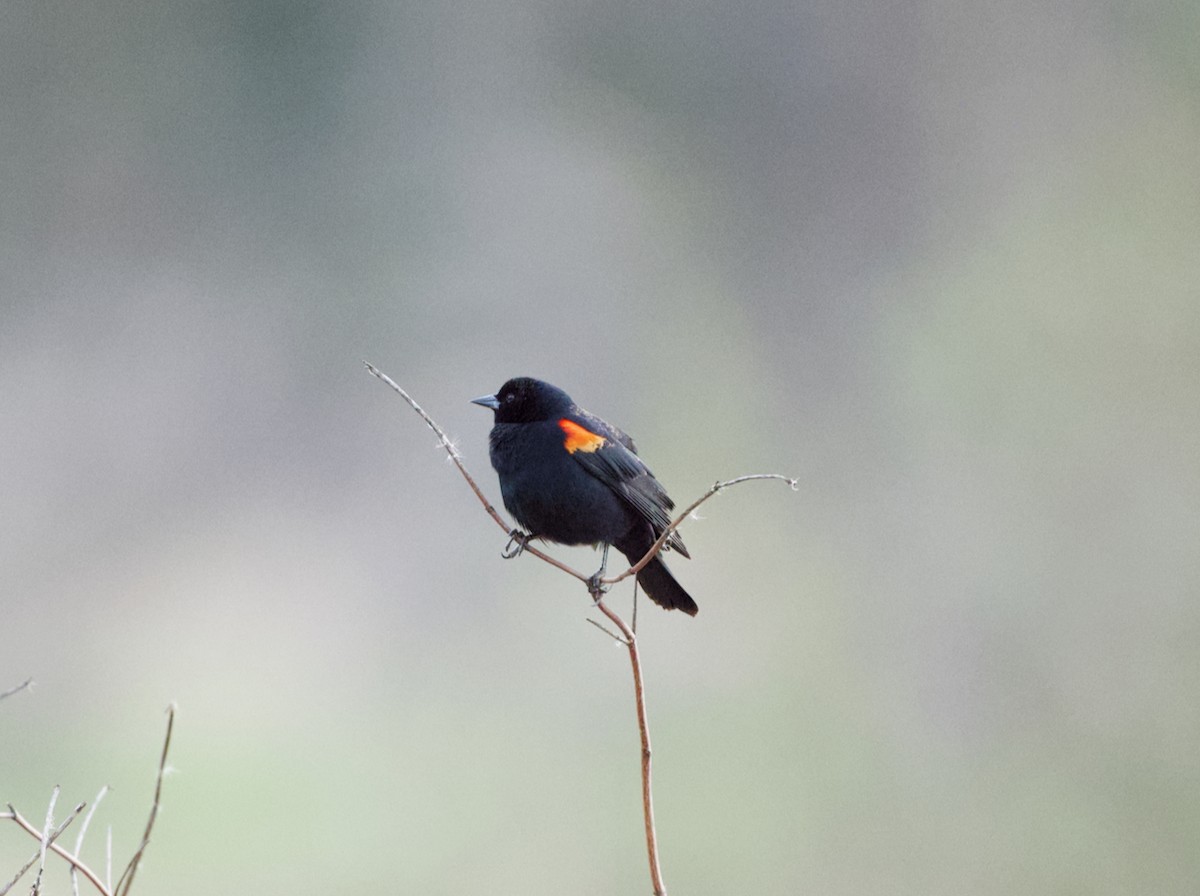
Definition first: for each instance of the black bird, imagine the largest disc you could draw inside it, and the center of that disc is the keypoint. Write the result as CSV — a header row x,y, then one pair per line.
x,y
569,477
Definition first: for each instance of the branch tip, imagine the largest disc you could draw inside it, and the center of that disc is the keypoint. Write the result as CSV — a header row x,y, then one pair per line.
x,y
27,683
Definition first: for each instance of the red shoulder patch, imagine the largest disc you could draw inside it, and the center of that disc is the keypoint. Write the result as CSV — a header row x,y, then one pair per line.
x,y
580,438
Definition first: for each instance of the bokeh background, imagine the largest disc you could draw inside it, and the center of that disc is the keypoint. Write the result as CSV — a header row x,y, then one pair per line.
x,y
940,261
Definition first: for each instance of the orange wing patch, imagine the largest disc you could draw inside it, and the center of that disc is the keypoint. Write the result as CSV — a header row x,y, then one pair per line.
x,y
580,438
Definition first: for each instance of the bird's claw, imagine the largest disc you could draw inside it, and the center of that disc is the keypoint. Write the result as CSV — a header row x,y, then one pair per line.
x,y
596,587
517,540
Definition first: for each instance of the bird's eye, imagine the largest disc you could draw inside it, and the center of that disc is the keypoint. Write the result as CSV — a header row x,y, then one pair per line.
x,y
509,397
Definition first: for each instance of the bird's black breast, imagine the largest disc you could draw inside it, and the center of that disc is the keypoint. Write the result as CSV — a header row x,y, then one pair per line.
x,y
547,490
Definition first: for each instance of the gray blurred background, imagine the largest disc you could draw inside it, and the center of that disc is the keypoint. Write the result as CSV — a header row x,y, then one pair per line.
x,y
939,261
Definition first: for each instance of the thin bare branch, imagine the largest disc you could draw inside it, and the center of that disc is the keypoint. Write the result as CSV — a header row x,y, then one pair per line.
x,y
609,632
87,820
639,692
22,686
452,451
678,521
127,875
47,829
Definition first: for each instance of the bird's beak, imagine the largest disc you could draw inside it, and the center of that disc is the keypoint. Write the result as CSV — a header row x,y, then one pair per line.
x,y
488,401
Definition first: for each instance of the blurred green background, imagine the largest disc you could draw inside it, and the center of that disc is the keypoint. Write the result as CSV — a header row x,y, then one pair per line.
x,y
939,261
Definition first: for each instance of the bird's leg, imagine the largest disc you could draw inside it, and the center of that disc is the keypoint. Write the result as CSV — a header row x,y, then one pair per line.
x,y
517,540
595,588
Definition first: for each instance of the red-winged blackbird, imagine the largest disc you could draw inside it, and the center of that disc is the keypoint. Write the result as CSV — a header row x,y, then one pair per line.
x,y
569,477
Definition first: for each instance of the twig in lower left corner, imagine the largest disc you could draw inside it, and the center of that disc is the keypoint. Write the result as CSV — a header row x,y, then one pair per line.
x,y
48,834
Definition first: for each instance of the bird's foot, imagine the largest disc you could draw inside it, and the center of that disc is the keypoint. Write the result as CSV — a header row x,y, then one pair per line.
x,y
517,541
595,584
596,587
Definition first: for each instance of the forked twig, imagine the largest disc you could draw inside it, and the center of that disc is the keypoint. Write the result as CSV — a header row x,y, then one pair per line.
x,y
627,635
46,837
45,842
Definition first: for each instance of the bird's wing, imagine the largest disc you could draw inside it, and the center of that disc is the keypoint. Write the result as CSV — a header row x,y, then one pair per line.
x,y
609,455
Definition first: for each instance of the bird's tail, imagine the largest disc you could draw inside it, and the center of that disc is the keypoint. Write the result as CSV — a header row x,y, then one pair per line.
x,y
658,583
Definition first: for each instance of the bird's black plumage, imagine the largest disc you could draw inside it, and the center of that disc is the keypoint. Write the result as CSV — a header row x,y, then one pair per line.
x,y
569,477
